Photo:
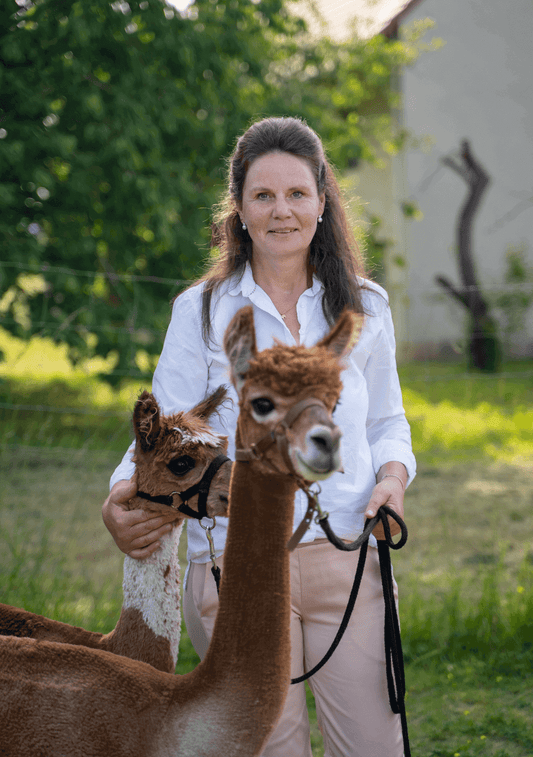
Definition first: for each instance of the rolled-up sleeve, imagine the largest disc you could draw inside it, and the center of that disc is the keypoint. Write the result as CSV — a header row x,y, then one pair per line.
x,y
180,378
388,432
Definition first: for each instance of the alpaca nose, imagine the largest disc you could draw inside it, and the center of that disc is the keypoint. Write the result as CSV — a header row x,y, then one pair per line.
x,y
325,439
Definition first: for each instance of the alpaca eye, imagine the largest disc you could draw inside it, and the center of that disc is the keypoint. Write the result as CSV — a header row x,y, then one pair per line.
x,y
262,405
181,465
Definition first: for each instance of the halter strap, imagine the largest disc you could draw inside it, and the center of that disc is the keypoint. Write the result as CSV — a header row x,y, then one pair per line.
x,y
201,488
278,436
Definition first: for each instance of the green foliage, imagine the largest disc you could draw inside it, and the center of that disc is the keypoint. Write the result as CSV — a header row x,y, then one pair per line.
x,y
114,122
375,248
411,211
517,297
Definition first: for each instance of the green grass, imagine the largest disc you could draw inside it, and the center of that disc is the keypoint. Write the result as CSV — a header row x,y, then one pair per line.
x,y
465,576
454,414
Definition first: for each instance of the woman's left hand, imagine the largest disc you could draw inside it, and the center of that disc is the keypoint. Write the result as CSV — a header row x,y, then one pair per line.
x,y
389,491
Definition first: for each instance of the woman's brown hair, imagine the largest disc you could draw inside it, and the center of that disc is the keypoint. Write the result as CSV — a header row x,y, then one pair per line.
x,y
334,255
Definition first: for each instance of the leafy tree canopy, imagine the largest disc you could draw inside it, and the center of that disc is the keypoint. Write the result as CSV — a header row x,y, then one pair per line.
x,y
115,119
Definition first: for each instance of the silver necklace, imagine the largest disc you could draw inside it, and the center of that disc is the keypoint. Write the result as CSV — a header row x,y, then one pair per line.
x,y
286,313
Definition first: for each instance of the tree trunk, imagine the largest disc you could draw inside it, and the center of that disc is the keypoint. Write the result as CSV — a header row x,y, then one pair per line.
x,y
484,346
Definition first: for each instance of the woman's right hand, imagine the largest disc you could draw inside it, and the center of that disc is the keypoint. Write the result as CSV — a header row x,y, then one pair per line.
x,y
136,532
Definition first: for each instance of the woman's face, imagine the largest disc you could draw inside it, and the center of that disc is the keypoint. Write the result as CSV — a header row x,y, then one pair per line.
x,y
281,205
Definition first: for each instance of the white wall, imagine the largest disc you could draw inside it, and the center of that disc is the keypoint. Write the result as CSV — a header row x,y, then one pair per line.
x,y
478,86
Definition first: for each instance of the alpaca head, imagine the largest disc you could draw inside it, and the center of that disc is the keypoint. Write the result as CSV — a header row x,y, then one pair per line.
x,y
271,382
172,452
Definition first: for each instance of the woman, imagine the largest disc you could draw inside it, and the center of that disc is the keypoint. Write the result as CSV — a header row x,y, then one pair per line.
x,y
286,249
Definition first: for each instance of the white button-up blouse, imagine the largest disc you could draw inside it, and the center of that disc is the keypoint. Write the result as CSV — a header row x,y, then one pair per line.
x,y
370,412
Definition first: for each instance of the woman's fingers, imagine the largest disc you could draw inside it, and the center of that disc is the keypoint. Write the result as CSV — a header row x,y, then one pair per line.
x,y
148,537
388,492
134,531
142,554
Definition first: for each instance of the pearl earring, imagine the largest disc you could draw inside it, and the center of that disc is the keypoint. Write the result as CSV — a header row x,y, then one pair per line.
x,y
244,226
319,219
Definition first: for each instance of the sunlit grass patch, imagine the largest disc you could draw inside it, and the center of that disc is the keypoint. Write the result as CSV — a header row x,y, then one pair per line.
x,y
41,358
487,429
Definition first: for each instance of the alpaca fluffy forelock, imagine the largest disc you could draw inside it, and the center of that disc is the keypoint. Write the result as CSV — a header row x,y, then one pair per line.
x,y
289,371
207,438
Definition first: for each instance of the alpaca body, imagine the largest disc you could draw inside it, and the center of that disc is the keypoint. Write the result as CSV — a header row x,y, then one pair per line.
x,y
150,621
149,625
60,699
163,715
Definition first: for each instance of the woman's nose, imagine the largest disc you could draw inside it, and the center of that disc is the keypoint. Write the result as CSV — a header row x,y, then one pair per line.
x,y
282,208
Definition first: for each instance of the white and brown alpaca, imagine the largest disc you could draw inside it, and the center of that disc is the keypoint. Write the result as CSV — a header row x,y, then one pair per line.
x,y
73,701
171,453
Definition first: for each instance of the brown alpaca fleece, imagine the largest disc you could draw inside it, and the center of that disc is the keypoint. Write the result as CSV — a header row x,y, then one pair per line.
x,y
58,699
131,637
160,439
149,625
276,369
234,696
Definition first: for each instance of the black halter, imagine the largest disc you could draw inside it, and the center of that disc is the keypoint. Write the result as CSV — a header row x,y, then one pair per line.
x,y
201,488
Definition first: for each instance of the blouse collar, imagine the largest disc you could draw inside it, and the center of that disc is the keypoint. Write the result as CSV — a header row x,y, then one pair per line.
x,y
246,286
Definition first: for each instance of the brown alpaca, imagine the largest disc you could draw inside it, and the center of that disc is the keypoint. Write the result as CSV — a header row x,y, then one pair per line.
x,y
171,454
61,699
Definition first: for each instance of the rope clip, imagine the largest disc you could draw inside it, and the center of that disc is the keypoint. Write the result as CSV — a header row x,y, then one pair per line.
x,y
208,530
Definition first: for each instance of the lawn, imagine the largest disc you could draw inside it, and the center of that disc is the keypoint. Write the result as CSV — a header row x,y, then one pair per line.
x,y
465,576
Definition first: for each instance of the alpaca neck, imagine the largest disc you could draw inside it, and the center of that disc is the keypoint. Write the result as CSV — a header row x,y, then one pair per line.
x,y
255,587
235,695
151,605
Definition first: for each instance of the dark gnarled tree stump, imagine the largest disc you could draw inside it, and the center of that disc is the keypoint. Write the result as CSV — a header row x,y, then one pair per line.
x,y
484,347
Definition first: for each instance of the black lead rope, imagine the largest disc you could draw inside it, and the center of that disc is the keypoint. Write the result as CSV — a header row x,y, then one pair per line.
x,y
393,645
347,614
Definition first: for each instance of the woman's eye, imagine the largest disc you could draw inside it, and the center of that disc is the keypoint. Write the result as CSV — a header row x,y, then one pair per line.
x,y
262,405
181,465
297,194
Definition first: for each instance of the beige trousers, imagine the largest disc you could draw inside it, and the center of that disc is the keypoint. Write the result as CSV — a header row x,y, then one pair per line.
x,y
350,691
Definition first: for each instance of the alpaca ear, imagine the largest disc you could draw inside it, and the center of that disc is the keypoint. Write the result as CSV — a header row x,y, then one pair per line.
x,y
207,407
239,344
344,335
146,423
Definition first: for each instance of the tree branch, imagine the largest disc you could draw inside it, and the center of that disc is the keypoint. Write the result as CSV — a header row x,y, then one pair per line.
x,y
451,290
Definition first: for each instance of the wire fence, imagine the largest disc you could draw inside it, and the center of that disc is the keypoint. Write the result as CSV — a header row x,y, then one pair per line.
x,y
14,404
